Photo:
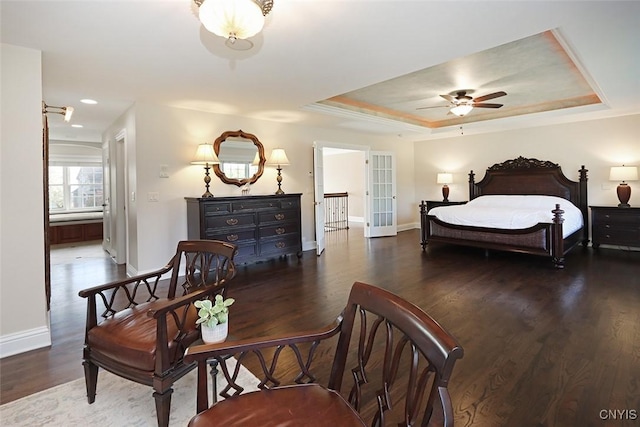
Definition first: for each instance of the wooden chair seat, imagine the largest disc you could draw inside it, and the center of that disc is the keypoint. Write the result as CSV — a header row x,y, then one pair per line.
x,y
295,405
130,336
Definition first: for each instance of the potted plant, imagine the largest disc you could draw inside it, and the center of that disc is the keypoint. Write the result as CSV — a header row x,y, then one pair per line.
x,y
213,318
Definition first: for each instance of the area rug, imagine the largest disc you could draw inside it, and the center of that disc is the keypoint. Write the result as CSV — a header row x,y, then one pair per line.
x,y
119,402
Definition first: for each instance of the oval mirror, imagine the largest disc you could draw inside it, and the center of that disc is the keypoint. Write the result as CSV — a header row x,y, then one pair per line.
x,y
241,157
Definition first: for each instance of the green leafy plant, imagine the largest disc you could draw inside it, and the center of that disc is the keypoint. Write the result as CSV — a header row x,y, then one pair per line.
x,y
212,313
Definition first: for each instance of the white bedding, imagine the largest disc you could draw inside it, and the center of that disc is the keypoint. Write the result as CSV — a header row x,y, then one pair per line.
x,y
510,212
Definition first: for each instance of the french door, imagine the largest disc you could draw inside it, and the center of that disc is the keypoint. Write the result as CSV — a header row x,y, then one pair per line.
x,y
381,215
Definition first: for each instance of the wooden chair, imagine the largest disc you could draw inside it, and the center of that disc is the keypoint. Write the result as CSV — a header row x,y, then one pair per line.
x,y
405,383
145,328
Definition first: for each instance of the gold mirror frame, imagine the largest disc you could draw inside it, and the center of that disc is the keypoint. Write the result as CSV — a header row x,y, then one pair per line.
x,y
256,142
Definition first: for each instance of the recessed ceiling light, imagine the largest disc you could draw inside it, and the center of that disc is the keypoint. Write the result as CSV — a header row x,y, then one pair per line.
x,y
76,126
88,101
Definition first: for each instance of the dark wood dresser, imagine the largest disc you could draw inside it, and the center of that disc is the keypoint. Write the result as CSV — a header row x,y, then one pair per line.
x,y
611,225
262,226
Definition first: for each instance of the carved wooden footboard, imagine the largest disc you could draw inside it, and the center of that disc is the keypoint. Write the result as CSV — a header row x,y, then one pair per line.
x,y
520,176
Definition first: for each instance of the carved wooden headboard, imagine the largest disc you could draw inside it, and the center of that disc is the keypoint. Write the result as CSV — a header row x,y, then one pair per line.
x,y
522,176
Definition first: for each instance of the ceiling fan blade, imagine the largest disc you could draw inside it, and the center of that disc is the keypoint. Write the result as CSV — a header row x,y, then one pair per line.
x,y
448,98
433,106
486,105
489,96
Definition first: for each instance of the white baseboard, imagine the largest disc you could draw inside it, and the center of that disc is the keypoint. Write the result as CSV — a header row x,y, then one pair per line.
x,y
356,219
23,341
409,226
309,246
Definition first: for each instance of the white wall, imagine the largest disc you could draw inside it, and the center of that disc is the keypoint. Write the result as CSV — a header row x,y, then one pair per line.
x,y
597,144
345,172
169,136
23,312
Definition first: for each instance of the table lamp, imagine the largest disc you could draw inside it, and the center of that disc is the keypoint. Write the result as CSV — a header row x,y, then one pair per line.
x,y
445,178
623,173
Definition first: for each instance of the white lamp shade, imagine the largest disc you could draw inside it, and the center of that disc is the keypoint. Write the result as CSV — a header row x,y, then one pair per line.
x,y
68,112
623,173
278,157
232,18
445,178
461,110
205,155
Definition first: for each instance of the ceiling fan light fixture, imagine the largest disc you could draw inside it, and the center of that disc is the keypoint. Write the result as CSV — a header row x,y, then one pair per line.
x,y
233,19
461,109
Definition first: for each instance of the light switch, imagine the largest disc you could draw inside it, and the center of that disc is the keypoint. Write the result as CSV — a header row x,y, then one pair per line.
x,y
153,196
164,171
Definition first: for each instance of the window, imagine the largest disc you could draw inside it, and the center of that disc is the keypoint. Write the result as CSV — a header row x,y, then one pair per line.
x,y
75,188
239,170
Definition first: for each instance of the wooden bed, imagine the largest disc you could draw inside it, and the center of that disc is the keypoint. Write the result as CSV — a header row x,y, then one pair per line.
x,y
520,176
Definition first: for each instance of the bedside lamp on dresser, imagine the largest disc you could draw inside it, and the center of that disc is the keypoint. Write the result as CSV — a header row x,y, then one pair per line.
x,y
445,179
620,225
623,173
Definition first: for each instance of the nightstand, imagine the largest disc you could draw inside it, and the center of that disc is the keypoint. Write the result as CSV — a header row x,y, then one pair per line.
x,y
611,225
425,206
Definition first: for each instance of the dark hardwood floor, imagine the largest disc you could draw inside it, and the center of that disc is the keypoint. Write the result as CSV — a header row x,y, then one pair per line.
x,y
542,347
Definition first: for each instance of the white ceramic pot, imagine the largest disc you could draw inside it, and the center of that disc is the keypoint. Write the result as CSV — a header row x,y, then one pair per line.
x,y
212,335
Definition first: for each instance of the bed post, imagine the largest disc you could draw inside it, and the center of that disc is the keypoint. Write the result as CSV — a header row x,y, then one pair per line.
x,y
557,239
584,205
472,186
424,224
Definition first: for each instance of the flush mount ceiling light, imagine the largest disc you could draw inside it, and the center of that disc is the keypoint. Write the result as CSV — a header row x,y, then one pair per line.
x,y
234,19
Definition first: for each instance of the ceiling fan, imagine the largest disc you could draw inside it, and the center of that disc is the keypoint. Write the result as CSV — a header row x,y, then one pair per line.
x,y
461,104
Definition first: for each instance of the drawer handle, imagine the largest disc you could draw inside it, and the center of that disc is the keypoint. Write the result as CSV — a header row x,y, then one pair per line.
x,y
232,237
279,216
232,221
280,230
280,245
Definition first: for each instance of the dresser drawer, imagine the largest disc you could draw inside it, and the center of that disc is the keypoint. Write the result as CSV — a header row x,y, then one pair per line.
x,y
290,204
232,235
246,251
255,205
279,229
281,245
279,216
215,208
232,220
617,237
617,218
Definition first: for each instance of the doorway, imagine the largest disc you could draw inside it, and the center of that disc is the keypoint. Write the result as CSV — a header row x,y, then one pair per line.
x,y
367,177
